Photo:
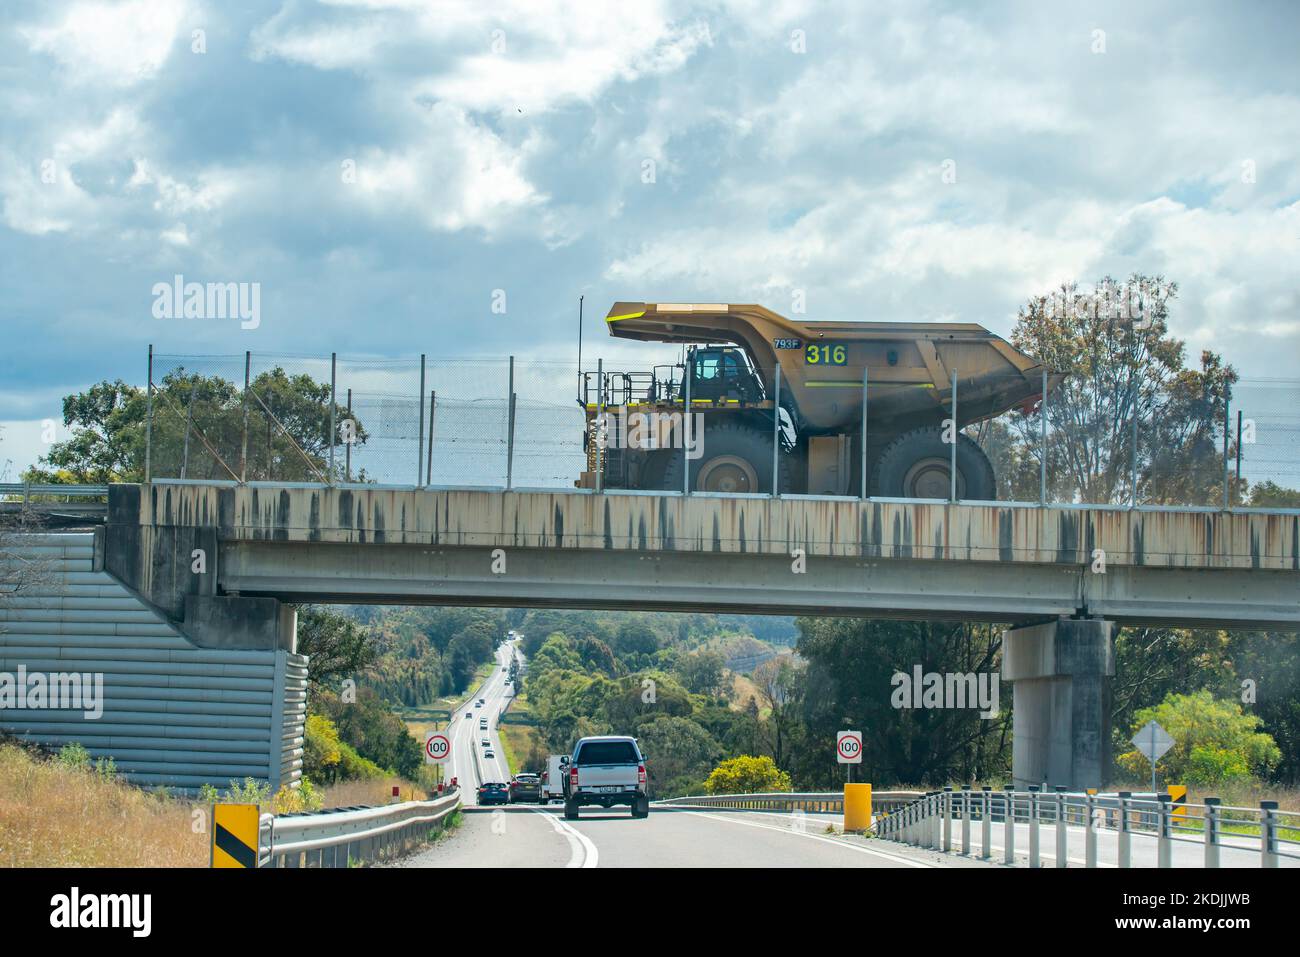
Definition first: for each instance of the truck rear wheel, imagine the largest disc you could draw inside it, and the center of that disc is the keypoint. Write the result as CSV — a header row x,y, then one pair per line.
x,y
570,810
735,459
917,464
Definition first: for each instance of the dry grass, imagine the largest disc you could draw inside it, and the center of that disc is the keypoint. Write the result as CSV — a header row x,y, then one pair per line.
x,y
56,816
368,793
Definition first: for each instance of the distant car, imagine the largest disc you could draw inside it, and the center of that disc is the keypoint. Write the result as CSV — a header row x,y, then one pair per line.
x,y
489,754
525,787
469,714
486,743
493,793
481,701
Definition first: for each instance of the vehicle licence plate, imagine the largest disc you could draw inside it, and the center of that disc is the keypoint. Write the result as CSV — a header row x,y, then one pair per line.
x,y
607,790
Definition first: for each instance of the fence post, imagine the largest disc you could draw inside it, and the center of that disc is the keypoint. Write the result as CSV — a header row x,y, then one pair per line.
x,y
243,448
776,434
1133,453
148,425
1089,832
1061,835
347,446
686,426
1122,836
965,819
864,432
1033,825
952,464
510,426
1226,432
428,467
189,421
419,445
936,827
1009,826
1163,837
1268,833
1212,832
1042,444
601,438
947,819
986,829
334,404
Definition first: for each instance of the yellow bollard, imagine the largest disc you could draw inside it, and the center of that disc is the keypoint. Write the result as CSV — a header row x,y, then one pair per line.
x,y
857,807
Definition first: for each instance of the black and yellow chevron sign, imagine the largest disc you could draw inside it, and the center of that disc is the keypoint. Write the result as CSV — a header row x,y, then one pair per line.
x,y
1179,794
234,835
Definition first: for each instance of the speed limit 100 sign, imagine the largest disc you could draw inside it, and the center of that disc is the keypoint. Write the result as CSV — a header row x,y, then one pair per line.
x,y
848,747
437,748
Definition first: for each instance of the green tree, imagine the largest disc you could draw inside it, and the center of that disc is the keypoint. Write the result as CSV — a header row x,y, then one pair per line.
x,y
1214,741
198,425
747,774
679,753
335,645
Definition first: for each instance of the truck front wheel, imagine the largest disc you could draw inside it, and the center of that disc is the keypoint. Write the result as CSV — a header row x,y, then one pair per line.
x,y
918,464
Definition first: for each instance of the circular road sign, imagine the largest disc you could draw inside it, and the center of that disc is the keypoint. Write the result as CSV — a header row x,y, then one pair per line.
x,y
437,748
848,747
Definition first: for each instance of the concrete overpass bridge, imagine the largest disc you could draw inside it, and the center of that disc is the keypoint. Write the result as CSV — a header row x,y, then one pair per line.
x,y
221,565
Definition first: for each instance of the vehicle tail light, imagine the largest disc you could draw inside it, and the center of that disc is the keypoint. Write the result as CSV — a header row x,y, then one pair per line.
x,y
573,778
640,774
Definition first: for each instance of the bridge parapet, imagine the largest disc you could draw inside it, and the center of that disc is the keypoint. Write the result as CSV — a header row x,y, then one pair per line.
x,y
820,526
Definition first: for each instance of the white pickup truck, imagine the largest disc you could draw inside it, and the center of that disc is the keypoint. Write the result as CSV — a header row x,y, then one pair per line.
x,y
607,771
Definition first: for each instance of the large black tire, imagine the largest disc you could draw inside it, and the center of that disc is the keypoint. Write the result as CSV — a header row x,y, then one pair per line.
x,y
570,811
641,807
736,458
917,465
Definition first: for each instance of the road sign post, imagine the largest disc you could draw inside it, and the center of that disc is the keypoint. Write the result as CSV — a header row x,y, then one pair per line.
x,y
848,750
437,748
1152,741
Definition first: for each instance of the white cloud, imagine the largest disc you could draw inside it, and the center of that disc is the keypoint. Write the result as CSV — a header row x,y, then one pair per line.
x,y
117,43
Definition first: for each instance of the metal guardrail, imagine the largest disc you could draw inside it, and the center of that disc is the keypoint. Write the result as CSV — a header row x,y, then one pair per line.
x,y
814,802
930,821
68,500
341,838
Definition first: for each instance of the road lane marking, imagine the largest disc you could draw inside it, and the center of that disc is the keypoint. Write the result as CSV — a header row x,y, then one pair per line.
x,y
811,837
579,842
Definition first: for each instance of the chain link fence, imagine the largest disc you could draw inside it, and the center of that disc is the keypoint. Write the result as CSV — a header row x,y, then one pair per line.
x,y
520,423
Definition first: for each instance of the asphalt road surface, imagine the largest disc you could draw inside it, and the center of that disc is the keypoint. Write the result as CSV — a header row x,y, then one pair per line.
x,y
530,836
468,764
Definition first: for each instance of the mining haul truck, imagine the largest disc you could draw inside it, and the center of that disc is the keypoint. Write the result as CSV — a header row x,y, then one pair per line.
x,y
758,383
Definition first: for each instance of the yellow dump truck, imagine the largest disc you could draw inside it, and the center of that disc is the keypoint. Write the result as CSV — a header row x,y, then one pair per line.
x,y
637,437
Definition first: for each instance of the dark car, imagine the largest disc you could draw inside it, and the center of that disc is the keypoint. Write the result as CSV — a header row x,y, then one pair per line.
x,y
493,793
525,787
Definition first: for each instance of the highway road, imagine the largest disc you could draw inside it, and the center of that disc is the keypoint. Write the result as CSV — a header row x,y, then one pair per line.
x,y
467,764
529,836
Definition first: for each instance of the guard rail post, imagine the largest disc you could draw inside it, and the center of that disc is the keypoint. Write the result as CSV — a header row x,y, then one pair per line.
x,y
1212,832
1163,837
1009,826
1123,848
1268,833
1089,832
965,819
1033,825
947,819
1061,835
986,822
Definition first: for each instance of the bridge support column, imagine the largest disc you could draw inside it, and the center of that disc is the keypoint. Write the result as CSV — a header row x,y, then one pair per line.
x,y
1060,674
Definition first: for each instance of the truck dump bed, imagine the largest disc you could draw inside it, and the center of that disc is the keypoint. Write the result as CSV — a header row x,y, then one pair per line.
x,y
908,365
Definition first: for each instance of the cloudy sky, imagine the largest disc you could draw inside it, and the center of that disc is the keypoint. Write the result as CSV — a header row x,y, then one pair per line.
x,y
386,169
